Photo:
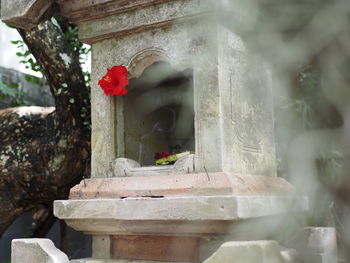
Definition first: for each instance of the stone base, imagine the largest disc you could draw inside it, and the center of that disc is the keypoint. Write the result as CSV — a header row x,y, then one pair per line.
x,y
160,248
261,251
172,215
90,260
178,218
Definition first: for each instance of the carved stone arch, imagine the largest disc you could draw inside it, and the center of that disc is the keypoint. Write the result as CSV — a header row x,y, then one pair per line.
x,y
143,59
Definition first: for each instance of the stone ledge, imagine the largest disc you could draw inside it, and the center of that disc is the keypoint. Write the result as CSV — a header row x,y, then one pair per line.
x,y
77,10
144,17
179,208
181,185
90,260
196,214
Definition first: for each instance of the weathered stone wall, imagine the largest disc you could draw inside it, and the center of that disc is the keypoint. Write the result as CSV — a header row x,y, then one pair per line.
x,y
36,94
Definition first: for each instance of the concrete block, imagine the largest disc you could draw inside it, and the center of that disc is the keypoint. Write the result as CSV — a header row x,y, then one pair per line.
x,y
101,246
321,245
36,250
247,252
289,255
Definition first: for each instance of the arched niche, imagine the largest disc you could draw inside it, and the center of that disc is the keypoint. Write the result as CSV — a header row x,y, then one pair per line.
x,y
143,59
158,111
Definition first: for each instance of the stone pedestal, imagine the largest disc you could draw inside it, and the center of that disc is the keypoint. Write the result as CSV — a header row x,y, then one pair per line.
x,y
184,220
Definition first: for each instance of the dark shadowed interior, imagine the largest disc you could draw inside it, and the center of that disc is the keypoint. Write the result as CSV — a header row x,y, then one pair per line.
x,y
159,113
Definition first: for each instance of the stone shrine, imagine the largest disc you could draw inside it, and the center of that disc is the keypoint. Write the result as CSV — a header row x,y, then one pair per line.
x,y
189,91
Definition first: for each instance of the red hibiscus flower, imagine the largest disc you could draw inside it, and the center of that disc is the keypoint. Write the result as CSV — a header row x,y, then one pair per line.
x,y
161,155
115,81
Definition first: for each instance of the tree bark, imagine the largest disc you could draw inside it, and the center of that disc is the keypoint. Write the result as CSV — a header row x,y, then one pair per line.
x,y
45,151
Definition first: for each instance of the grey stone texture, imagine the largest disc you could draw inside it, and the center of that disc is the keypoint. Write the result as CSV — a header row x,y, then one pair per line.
x,y
170,215
90,260
36,250
24,13
289,255
101,247
262,251
146,17
321,245
35,93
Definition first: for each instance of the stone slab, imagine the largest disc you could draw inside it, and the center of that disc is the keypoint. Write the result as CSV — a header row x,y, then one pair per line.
x,y
180,185
179,208
160,248
144,17
77,10
24,13
262,251
289,255
101,246
321,244
197,214
90,260
36,250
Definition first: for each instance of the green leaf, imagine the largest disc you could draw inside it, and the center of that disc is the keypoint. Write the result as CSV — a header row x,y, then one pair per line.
x,y
26,54
10,26
32,79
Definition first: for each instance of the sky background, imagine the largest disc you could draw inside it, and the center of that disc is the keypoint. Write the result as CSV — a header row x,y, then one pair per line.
x,y
8,56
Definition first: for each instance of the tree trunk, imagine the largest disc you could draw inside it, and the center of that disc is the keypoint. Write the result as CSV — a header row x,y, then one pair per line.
x,y
45,151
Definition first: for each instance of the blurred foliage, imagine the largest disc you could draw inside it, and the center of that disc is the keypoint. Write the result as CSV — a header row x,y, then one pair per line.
x,y
316,112
26,57
11,91
307,85
70,30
